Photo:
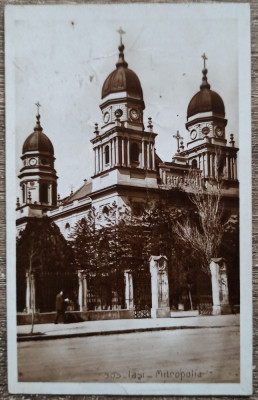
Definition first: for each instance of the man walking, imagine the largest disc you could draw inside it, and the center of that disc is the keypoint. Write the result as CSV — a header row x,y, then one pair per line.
x,y
60,309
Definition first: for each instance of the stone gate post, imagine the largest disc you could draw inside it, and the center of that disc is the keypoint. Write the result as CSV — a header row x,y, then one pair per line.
x,y
30,293
129,290
82,294
159,287
219,283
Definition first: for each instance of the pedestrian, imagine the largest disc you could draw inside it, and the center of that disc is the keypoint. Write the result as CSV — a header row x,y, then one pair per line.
x,y
60,307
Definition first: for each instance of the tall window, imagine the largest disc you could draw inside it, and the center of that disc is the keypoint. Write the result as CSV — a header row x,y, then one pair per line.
x,y
67,230
23,193
134,152
106,151
54,194
43,193
194,164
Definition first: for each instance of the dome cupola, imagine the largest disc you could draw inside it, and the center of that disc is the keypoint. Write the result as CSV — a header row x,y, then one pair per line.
x,y
38,141
206,100
122,79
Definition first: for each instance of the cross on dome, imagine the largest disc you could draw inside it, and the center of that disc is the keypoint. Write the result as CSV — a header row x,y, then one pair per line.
x,y
121,60
121,33
38,105
204,59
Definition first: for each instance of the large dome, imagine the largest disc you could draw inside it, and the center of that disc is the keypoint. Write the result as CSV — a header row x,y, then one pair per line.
x,y
122,79
206,100
38,141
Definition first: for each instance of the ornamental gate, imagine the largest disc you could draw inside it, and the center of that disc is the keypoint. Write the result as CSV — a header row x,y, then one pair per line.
x,y
142,294
205,305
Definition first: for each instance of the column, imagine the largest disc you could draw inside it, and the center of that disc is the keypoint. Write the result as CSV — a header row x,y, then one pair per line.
x,y
143,156
232,167
235,167
128,152
228,166
30,293
112,152
97,160
200,163
153,156
159,287
164,177
215,166
219,283
101,158
128,290
82,294
148,155
50,193
203,165
117,150
123,151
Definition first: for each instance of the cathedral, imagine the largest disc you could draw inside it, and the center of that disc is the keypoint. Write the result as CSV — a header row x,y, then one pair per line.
x,y
126,162
127,167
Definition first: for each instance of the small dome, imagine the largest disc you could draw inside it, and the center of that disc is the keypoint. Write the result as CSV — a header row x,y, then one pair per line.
x,y
38,141
122,79
206,100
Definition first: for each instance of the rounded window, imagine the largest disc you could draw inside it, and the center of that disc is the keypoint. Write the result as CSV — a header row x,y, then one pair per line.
x,y
194,164
105,210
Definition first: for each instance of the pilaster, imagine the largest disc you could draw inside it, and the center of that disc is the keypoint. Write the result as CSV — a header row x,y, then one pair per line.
x,y
159,287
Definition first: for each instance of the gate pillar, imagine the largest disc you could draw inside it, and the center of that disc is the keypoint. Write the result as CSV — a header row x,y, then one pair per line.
x,y
219,283
30,293
82,295
159,287
129,290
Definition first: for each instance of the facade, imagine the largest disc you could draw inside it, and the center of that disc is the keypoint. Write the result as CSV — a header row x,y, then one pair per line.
x,y
127,168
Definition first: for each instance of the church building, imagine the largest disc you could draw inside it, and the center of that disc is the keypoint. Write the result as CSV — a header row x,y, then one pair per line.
x,y
127,167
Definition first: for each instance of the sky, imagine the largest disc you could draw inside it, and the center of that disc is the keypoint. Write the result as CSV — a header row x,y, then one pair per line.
x,y
61,56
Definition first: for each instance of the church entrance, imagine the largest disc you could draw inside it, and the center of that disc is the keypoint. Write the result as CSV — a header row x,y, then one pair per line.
x,y
142,294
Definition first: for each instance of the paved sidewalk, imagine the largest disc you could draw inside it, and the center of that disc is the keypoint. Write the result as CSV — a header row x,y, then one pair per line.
x,y
107,327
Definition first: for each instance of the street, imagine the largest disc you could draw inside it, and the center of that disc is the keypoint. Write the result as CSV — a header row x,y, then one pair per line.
x,y
182,355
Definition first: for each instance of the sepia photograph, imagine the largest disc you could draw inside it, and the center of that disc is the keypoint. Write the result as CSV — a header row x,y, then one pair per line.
x,y
128,169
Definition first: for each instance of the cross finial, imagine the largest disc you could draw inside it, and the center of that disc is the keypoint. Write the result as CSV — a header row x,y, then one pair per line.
x,y
121,33
38,105
177,137
204,59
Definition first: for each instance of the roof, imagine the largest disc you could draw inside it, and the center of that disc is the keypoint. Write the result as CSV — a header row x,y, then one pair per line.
x,y
82,192
206,100
38,141
122,79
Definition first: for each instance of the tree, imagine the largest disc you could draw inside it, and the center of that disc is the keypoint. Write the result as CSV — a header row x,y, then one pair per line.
x,y
204,227
41,248
121,238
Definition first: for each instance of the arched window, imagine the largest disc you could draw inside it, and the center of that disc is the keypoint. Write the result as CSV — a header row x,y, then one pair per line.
x,y
43,193
194,163
106,151
134,152
67,230
105,210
